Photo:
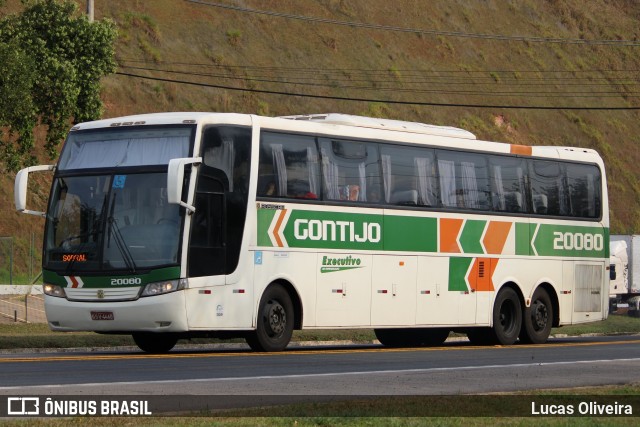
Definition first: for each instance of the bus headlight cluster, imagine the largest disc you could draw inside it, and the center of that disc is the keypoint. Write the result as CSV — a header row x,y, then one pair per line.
x,y
159,288
54,290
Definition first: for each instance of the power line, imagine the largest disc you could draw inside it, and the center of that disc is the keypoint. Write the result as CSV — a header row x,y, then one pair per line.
x,y
434,77
368,70
420,31
385,101
389,86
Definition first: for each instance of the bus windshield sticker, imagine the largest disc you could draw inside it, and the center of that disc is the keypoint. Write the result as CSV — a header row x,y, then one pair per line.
x,y
119,180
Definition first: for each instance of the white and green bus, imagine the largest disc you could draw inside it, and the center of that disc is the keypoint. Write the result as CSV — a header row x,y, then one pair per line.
x,y
179,225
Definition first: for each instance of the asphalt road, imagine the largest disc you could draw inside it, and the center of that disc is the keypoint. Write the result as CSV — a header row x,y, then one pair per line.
x,y
354,370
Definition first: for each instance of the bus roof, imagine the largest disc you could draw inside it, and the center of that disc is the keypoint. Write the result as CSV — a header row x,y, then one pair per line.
x,y
148,119
385,124
329,118
467,139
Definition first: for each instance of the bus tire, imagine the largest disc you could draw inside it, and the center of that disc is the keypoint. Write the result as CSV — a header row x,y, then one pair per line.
x,y
155,343
274,325
537,319
507,317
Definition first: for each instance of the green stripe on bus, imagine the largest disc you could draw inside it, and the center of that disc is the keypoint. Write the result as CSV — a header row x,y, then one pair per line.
x,y
523,241
572,241
265,217
333,230
406,233
93,281
309,229
471,235
458,268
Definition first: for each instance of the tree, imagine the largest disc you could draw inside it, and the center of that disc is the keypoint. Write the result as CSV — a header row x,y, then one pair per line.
x,y
51,62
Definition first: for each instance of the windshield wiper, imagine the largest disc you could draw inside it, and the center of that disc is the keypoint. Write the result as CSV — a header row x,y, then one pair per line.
x,y
117,237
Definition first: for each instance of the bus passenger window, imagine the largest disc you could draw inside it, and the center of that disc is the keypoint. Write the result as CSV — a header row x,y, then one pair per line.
x,y
288,166
507,183
409,175
349,170
464,180
583,183
548,188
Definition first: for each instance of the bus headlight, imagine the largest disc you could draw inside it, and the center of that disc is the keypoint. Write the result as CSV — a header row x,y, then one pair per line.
x,y
159,288
54,290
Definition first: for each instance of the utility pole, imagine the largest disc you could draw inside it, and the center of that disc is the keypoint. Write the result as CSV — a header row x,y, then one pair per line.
x,y
90,10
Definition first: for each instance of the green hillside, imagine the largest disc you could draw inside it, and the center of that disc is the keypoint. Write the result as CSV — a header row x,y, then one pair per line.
x,y
447,63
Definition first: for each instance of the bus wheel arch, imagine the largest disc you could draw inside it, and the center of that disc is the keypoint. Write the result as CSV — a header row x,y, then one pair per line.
x,y
295,299
541,315
276,318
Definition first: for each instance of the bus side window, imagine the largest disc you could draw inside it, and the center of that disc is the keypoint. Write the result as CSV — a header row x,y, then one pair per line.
x,y
584,190
409,175
464,180
349,170
288,166
548,188
507,183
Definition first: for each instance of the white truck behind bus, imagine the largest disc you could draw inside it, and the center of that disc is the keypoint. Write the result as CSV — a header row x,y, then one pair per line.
x,y
624,286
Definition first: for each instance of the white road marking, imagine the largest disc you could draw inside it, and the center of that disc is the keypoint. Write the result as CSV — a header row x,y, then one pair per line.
x,y
320,375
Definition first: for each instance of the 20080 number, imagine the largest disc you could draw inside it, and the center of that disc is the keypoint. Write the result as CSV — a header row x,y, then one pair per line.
x,y
126,281
577,241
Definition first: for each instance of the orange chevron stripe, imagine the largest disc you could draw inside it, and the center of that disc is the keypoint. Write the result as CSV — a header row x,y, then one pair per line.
x,y
481,279
496,236
276,229
449,230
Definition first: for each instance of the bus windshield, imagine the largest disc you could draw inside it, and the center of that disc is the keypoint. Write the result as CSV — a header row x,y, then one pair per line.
x,y
108,209
111,222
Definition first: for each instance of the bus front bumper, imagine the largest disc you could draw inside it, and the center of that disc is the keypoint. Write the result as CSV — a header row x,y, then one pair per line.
x,y
160,313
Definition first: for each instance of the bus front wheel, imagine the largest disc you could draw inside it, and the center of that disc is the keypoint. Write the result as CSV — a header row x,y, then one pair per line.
x,y
154,342
274,325
538,318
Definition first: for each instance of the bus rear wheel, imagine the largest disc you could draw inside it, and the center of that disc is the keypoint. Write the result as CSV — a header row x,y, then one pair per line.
x,y
538,319
507,317
155,342
275,321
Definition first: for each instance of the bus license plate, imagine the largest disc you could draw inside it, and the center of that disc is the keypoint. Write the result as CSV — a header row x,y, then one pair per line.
x,y
101,315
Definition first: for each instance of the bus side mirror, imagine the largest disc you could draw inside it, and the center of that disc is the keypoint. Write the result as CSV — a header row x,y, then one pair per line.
x,y
175,176
20,188
612,272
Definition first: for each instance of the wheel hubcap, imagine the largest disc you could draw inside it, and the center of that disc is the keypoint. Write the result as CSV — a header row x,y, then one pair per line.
x,y
276,318
539,315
